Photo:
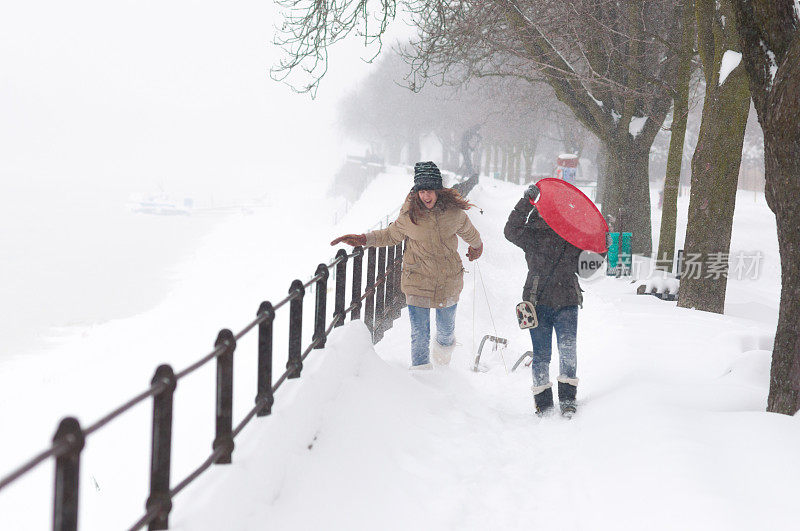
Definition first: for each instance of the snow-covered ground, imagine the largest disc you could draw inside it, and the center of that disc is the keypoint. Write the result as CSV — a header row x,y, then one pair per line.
x,y
753,242
174,282
671,431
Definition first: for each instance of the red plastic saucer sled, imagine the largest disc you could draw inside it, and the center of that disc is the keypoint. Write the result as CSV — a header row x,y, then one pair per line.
x,y
570,213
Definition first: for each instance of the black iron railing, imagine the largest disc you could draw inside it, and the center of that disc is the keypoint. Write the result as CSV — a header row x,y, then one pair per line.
x,y
381,301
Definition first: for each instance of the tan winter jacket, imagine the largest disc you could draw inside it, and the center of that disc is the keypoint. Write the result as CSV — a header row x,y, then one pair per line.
x,y
432,271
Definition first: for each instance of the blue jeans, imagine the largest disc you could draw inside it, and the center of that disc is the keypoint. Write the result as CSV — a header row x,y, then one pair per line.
x,y
421,331
565,323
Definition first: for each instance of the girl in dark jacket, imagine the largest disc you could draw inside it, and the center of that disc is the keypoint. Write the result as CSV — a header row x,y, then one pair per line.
x,y
552,286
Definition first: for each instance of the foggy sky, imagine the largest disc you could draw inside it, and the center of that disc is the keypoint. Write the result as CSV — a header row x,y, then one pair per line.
x,y
101,100
149,92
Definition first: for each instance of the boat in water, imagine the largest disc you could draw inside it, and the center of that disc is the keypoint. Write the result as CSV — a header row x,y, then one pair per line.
x,y
162,205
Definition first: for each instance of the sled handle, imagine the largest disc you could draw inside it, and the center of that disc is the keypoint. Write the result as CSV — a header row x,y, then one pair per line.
x,y
495,339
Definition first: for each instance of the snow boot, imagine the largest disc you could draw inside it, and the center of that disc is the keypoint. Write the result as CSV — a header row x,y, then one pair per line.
x,y
543,398
441,354
567,389
424,367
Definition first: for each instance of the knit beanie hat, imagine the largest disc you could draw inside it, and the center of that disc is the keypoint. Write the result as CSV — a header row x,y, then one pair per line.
x,y
427,176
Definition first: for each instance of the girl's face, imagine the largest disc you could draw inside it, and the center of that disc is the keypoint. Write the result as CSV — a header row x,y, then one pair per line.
x,y
428,198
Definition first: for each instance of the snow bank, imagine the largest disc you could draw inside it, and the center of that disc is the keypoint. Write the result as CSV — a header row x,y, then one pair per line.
x,y
662,284
334,439
91,368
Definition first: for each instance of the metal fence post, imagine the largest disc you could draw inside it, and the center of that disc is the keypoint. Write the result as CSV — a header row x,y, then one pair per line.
x,y
321,307
224,425
67,480
388,308
161,448
377,335
341,280
294,364
369,310
358,260
399,298
264,397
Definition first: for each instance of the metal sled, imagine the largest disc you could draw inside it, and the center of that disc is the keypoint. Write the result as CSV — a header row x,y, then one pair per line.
x,y
496,340
528,354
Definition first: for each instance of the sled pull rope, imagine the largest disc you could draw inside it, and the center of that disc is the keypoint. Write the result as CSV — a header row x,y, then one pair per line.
x,y
494,327
473,307
485,296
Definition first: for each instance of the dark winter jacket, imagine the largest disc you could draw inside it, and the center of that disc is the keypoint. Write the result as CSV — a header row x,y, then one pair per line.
x,y
545,251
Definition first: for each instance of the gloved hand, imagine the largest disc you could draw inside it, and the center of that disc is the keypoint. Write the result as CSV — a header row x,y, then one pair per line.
x,y
532,193
473,253
351,239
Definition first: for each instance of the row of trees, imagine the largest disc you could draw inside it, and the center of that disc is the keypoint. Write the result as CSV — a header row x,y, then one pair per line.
x,y
619,66
609,62
508,122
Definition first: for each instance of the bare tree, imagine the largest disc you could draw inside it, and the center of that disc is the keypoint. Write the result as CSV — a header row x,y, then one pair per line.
x,y
310,27
769,32
515,119
609,61
677,141
507,112
717,158
384,113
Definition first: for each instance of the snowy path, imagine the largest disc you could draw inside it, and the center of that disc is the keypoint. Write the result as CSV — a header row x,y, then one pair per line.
x,y
670,434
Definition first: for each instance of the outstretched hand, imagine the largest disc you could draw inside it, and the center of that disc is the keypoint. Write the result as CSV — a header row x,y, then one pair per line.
x,y
473,253
351,239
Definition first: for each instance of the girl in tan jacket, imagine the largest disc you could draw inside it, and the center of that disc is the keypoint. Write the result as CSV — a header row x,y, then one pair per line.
x,y
432,277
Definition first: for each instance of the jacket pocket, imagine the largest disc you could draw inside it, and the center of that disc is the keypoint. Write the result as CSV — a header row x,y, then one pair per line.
x,y
409,271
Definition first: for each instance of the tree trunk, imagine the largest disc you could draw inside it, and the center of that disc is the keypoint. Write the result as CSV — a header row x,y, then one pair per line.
x,y
479,148
529,152
455,153
487,167
445,142
626,195
528,167
680,112
715,174
513,174
414,150
715,168
770,37
504,167
394,149
602,170
782,165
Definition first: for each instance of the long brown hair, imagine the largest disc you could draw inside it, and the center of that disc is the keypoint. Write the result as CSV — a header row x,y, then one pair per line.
x,y
445,198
